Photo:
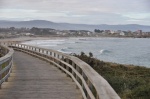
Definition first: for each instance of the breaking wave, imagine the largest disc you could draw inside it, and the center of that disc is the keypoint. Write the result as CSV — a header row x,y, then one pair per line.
x,y
103,51
65,50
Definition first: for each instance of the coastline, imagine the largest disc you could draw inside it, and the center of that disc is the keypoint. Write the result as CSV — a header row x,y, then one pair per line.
x,y
82,39
22,39
129,81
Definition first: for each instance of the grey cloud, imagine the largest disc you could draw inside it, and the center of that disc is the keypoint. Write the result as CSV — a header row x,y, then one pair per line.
x,y
1,3
94,18
80,5
81,11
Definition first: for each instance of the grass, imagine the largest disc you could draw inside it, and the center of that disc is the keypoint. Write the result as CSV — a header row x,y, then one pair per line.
x,y
130,82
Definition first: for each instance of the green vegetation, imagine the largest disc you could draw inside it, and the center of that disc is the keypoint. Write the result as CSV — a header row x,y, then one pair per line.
x,y
98,31
130,82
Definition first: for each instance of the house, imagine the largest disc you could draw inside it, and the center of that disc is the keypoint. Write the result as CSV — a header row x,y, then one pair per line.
x,y
28,34
122,33
112,31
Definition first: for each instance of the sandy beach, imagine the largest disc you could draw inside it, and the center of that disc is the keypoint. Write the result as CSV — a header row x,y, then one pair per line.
x,y
22,39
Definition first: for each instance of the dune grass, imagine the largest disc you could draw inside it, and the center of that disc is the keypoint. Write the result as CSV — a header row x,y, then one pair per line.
x,y
130,82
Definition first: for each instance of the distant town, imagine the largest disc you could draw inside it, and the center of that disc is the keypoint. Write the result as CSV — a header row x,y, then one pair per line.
x,y
13,32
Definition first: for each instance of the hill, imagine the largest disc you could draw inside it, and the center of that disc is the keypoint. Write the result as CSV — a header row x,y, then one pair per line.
x,y
69,26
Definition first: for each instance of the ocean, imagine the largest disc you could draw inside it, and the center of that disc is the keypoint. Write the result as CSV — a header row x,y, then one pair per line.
x,y
134,51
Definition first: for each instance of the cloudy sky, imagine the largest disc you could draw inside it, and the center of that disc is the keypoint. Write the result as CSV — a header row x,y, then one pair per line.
x,y
78,11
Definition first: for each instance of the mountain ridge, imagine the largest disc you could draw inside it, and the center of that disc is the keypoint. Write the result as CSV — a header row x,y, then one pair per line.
x,y
71,26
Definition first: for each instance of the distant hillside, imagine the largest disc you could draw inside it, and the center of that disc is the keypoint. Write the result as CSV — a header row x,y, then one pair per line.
x,y
68,26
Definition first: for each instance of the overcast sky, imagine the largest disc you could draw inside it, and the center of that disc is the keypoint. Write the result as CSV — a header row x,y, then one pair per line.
x,y
78,11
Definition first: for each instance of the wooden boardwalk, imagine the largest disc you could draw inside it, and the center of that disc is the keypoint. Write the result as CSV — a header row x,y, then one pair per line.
x,y
32,78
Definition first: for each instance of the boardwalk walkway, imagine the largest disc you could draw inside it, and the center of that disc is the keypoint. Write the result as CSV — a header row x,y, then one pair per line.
x,y
33,78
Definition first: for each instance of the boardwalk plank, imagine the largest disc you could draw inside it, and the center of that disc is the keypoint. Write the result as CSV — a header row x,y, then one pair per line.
x,y
33,78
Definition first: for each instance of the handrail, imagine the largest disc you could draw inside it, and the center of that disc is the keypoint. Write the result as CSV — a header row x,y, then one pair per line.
x,y
91,84
6,62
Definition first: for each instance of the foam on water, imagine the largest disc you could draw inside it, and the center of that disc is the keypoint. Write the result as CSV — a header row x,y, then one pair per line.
x,y
45,42
103,51
64,51
119,50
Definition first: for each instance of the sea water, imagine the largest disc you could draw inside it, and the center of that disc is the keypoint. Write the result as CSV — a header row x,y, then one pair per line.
x,y
134,51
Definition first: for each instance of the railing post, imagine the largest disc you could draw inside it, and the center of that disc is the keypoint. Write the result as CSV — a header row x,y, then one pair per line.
x,y
77,80
46,52
27,47
62,60
67,68
73,65
42,51
54,54
58,56
0,74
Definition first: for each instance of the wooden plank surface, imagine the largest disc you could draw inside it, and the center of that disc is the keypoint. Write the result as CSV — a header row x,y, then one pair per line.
x,y
32,78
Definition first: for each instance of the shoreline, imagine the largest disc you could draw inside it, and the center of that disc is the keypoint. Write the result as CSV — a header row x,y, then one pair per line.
x,y
23,39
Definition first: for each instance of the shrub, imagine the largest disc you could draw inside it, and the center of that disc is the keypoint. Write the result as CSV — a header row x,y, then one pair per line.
x,y
130,82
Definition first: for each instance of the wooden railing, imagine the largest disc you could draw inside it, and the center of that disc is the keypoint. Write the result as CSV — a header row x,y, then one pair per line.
x,y
91,84
6,62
